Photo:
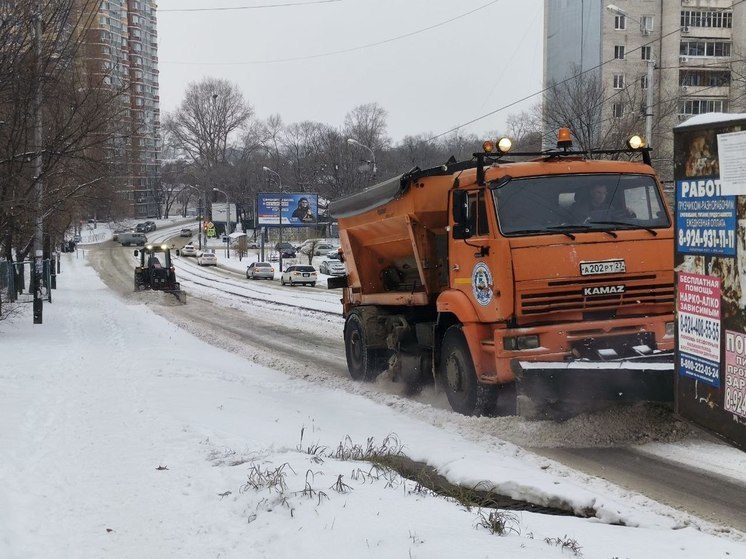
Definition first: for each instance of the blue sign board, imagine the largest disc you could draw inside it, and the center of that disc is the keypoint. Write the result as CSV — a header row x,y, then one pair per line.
x,y
289,209
705,222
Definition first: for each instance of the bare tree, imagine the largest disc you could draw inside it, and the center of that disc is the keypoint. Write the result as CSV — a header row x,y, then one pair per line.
x,y
205,121
82,117
575,103
524,129
367,124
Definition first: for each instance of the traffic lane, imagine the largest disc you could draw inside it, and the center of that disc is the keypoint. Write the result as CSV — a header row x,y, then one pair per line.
x,y
702,493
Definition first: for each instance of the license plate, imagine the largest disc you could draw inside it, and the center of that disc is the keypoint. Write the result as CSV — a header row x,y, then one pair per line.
x,y
306,275
602,267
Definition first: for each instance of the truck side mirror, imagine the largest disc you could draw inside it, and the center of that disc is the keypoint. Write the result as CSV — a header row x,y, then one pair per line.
x,y
462,226
137,252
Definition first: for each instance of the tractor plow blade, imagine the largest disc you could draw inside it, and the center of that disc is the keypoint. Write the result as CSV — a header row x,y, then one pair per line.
x,y
551,390
180,295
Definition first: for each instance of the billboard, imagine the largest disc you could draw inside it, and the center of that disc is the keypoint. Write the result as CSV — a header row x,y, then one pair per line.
x,y
289,209
710,176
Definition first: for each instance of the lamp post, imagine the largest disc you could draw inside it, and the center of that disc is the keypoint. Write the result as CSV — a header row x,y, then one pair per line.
x,y
614,9
354,142
228,222
37,273
279,209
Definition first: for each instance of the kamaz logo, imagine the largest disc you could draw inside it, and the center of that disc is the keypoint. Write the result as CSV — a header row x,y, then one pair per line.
x,y
603,290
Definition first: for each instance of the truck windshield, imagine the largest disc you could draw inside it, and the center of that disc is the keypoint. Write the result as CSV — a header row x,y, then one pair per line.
x,y
578,203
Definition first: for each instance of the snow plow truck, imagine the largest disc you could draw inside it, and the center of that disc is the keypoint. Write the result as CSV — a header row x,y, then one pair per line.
x,y
531,283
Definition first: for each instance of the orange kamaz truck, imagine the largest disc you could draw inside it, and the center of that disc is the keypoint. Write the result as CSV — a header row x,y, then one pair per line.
x,y
540,283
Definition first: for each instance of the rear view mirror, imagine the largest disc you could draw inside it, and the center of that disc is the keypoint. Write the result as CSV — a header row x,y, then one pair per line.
x,y
462,226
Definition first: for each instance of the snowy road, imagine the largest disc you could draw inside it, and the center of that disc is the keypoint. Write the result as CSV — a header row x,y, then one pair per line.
x,y
298,331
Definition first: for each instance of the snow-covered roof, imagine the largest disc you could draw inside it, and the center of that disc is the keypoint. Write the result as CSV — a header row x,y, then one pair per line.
x,y
711,118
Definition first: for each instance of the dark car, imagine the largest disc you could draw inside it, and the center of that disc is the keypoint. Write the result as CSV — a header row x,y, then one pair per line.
x,y
150,226
141,228
186,232
285,249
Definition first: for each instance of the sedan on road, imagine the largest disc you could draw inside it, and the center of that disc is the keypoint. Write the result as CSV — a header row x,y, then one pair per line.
x,y
304,275
186,232
205,258
260,270
332,268
189,250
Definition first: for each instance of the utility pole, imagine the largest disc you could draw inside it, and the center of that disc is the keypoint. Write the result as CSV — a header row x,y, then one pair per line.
x,y
649,104
37,274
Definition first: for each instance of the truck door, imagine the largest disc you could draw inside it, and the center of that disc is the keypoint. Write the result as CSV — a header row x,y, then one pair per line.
x,y
471,267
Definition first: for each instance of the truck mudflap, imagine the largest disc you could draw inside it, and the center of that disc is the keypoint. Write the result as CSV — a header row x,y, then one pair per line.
x,y
558,390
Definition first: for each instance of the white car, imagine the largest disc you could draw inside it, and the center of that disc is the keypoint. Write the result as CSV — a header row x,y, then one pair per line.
x,y
332,268
188,250
205,258
304,275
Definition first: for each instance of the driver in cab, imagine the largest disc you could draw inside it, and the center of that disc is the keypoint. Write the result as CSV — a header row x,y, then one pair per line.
x,y
598,207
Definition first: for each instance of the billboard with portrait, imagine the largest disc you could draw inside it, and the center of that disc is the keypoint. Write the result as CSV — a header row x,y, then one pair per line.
x,y
289,209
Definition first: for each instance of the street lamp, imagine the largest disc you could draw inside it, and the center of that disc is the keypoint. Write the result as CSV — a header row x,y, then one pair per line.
x,y
614,9
228,222
279,209
354,142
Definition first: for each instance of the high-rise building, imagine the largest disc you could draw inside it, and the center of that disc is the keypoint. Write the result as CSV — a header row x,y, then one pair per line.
x,y
121,48
694,49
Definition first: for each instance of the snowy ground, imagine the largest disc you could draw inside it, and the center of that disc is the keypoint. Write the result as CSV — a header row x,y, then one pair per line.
x,y
123,436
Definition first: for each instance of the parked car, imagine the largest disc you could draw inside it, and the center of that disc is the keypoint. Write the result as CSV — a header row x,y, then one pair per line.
x,y
304,275
285,249
253,244
320,249
332,268
117,232
305,246
186,232
260,270
188,250
205,258
334,254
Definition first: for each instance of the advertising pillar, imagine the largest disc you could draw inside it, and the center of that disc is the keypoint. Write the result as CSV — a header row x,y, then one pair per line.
x,y
710,259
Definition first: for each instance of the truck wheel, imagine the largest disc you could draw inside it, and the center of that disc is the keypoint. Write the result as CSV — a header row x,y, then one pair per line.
x,y
364,364
458,377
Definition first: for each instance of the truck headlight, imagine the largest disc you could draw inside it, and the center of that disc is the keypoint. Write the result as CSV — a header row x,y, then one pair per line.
x,y
517,343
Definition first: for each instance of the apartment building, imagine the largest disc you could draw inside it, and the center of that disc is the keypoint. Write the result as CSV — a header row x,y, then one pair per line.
x,y
121,50
669,59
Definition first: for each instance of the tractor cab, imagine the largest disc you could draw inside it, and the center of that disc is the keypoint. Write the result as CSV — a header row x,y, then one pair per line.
x,y
155,270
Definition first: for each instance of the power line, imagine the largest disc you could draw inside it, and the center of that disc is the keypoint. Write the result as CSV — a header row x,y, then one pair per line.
x,y
527,97
343,51
258,7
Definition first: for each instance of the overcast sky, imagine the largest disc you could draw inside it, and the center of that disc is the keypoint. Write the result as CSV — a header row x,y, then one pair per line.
x,y
432,64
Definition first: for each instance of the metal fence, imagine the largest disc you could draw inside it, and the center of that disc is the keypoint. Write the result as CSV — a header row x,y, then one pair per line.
x,y
17,278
